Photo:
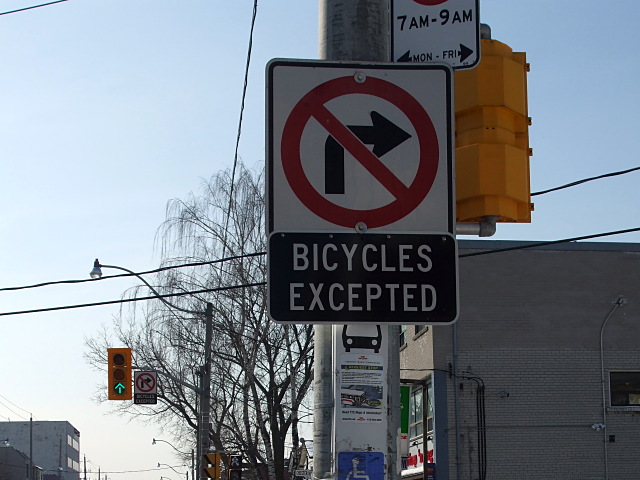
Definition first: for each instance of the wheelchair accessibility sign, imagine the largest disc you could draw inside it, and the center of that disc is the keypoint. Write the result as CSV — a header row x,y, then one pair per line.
x,y
360,466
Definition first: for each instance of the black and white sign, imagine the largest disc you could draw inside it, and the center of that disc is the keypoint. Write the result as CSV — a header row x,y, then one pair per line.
x,y
351,278
145,388
360,202
436,31
359,146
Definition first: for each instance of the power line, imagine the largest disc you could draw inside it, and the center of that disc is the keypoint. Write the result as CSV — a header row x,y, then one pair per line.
x,y
579,182
13,411
17,406
119,275
242,104
552,242
129,300
255,284
31,8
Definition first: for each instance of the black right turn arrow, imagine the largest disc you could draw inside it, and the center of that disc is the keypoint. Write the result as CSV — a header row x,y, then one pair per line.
x,y
383,134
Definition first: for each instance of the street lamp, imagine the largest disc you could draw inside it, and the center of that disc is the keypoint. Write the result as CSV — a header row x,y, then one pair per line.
x,y
193,471
205,380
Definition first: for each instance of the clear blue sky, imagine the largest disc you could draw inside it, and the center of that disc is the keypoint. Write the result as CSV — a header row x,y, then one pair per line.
x,y
109,109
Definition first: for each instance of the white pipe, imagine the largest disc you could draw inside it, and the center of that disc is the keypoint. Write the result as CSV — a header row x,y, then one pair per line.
x,y
486,228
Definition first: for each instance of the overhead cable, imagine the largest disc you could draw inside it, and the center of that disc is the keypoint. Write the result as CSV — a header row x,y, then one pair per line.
x,y
31,8
579,182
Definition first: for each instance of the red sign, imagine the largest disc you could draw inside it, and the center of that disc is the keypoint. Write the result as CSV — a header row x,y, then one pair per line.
x,y
145,382
406,198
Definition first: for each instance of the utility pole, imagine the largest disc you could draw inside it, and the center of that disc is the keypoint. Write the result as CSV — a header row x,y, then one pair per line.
x,y
356,30
205,390
30,474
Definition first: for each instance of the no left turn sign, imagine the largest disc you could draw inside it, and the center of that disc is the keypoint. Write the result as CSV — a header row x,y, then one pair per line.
x,y
353,146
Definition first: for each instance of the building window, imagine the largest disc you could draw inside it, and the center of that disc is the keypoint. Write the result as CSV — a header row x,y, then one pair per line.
x,y
73,443
429,408
420,328
403,335
416,417
624,389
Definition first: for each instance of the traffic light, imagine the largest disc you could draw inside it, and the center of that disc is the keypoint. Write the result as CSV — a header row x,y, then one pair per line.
x,y
235,467
120,384
492,137
211,465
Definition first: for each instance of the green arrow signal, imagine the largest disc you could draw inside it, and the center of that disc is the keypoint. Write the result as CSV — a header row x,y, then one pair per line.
x,y
119,388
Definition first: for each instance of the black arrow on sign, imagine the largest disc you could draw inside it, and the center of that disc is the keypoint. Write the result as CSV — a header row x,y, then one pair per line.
x,y
464,52
406,57
383,134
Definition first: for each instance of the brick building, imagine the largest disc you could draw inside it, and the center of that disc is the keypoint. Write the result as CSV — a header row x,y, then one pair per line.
x,y
540,376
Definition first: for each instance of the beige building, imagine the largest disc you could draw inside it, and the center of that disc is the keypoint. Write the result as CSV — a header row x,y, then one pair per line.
x,y
540,376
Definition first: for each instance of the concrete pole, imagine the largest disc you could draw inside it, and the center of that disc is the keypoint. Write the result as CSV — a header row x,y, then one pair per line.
x,y
323,404
353,30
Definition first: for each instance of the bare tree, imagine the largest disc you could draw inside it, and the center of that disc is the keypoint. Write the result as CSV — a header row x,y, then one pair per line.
x,y
261,371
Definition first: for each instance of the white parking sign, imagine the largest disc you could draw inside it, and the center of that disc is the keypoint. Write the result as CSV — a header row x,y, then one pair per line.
x,y
446,31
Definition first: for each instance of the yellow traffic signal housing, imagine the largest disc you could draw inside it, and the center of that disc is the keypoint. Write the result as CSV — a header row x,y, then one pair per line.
x,y
211,465
492,137
120,372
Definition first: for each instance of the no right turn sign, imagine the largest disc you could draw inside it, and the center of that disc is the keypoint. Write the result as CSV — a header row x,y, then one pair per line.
x,y
360,200
359,146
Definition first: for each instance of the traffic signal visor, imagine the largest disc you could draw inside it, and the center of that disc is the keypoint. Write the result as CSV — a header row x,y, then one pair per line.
x,y
211,465
120,374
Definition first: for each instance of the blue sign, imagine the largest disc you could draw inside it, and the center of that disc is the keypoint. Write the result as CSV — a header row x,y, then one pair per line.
x,y
430,471
361,465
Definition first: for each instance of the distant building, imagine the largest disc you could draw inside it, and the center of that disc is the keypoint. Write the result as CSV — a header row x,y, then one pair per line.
x,y
14,464
540,376
55,447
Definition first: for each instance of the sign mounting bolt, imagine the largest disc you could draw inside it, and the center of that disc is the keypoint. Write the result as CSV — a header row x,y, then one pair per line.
x,y
361,227
360,77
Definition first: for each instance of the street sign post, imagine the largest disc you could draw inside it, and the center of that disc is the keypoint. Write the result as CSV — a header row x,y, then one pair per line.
x,y
145,388
360,174
436,31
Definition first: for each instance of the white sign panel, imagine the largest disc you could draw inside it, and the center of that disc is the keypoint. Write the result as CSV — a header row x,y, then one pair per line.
x,y
436,31
145,388
361,378
359,147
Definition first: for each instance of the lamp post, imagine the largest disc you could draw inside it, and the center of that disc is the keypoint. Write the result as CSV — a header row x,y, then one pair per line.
x,y
205,378
193,465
